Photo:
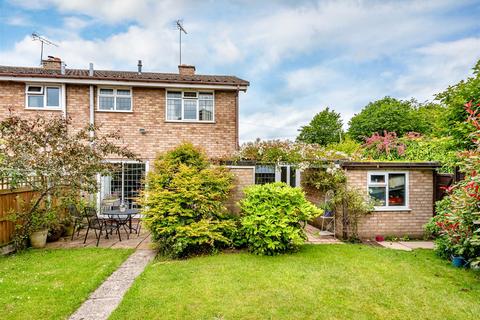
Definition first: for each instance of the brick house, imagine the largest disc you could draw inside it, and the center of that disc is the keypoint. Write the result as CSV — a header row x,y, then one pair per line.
x,y
153,111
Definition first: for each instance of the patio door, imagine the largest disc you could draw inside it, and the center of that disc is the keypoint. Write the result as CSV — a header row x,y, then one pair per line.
x,y
123,185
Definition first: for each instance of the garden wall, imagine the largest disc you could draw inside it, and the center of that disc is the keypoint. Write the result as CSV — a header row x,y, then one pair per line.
x,y
244,177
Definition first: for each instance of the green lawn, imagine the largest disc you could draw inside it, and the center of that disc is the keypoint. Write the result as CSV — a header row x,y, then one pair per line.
x,y
52,284
319,282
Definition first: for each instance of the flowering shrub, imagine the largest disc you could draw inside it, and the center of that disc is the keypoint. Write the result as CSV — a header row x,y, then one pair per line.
x,y
387,146
456,224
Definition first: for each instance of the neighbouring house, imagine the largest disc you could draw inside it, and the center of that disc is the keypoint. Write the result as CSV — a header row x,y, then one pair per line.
x,y
153,111
405,192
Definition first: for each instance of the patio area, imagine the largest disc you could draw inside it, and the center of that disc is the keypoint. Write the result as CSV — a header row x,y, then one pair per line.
x,y
141,241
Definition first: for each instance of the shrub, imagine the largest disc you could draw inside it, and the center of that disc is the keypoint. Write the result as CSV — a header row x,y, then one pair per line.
x,y
183,203
272,216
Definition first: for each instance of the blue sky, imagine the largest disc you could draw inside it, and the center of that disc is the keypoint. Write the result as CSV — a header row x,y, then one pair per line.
x,y
300,56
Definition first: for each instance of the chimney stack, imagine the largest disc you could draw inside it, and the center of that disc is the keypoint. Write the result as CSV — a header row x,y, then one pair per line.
x,y
90,70
139,65
52,63
186,70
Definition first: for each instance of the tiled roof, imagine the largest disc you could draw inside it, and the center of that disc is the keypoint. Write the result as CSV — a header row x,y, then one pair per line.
x,y
122,76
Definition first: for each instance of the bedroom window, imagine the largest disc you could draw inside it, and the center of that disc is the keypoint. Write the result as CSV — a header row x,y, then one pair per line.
x,y
112,99
389,189
43,97
190,106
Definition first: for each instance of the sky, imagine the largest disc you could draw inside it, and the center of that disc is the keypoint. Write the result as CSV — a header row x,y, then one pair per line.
x,y
299,56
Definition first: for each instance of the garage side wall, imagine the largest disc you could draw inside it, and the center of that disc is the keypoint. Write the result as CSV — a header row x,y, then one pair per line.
x,y
243,177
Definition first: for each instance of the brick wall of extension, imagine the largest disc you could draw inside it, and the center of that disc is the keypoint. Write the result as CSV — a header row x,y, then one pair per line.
x,y
219,139
398,223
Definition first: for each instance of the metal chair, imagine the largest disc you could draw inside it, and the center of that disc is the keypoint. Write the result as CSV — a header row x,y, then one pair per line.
x,y
328,217
77,219
96,223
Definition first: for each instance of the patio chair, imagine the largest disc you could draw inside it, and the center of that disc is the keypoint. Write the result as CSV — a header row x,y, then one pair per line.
x,y
77,219
96,223
328,217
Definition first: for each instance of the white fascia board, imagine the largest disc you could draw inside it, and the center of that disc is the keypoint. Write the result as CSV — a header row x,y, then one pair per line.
x,y
124,83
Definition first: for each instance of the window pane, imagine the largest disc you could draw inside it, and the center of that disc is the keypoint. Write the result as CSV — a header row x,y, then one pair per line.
x,y
35,101
377,178
205,95
53,97
106,91
378,193
264,174
190,94
190,109
283,174
124,103
106,103
396,189
122,92
174,109
174,94
34,89
293,176
206,110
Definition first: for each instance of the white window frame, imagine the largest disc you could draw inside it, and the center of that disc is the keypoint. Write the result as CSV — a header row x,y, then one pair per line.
x,y
196,120
114,96
387,207
278,174
43,93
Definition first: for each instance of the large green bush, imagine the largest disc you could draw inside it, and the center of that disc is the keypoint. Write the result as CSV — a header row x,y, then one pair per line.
x,y
272,218
183,203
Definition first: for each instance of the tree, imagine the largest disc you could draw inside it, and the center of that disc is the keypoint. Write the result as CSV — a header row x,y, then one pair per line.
x,y
55,162
325,128
386,115
454,99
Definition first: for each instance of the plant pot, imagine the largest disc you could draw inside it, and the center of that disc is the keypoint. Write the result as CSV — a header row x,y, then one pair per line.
x,y
38,239
68,230
459,261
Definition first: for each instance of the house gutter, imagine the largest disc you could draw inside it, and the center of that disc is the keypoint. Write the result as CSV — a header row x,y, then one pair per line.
x,y
237,110
125,83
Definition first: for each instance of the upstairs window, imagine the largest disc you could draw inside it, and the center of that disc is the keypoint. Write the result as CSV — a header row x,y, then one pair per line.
x,y
389,189
43,97
190,106
112,99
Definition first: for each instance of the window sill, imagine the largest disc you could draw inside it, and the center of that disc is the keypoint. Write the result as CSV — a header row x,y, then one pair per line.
x,y
46,109
189,121
115,111
384,209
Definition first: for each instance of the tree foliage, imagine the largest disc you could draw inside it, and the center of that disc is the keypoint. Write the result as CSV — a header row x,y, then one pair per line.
x,y
454,99
387,114
184,203
325,128
45,155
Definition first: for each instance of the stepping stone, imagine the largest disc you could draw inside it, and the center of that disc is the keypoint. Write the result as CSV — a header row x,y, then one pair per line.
x,y
394,245
418,244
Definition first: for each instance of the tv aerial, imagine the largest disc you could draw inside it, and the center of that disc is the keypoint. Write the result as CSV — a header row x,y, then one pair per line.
x,y
180,30
43,41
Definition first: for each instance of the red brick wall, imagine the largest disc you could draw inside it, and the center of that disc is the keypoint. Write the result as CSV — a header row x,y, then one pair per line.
x,y
244,177
219,139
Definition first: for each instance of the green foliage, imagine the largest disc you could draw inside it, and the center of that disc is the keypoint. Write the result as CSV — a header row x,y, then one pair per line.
x,y
272,216
183,203
387,114
454,99
457,222
347,146
325,128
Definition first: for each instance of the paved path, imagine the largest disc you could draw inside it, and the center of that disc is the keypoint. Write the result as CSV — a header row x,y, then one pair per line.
x,y
314,236
108,296
407,245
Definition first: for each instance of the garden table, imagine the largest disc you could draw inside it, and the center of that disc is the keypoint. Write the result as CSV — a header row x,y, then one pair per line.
x,y
122,218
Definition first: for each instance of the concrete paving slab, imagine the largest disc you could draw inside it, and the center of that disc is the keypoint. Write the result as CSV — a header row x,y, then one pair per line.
x,y
418,244
394,245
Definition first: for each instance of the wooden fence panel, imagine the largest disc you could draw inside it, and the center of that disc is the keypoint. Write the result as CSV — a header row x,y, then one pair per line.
x,y
9,201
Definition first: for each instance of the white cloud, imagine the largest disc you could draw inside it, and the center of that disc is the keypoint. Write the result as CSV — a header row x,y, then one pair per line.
x,y
18,20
